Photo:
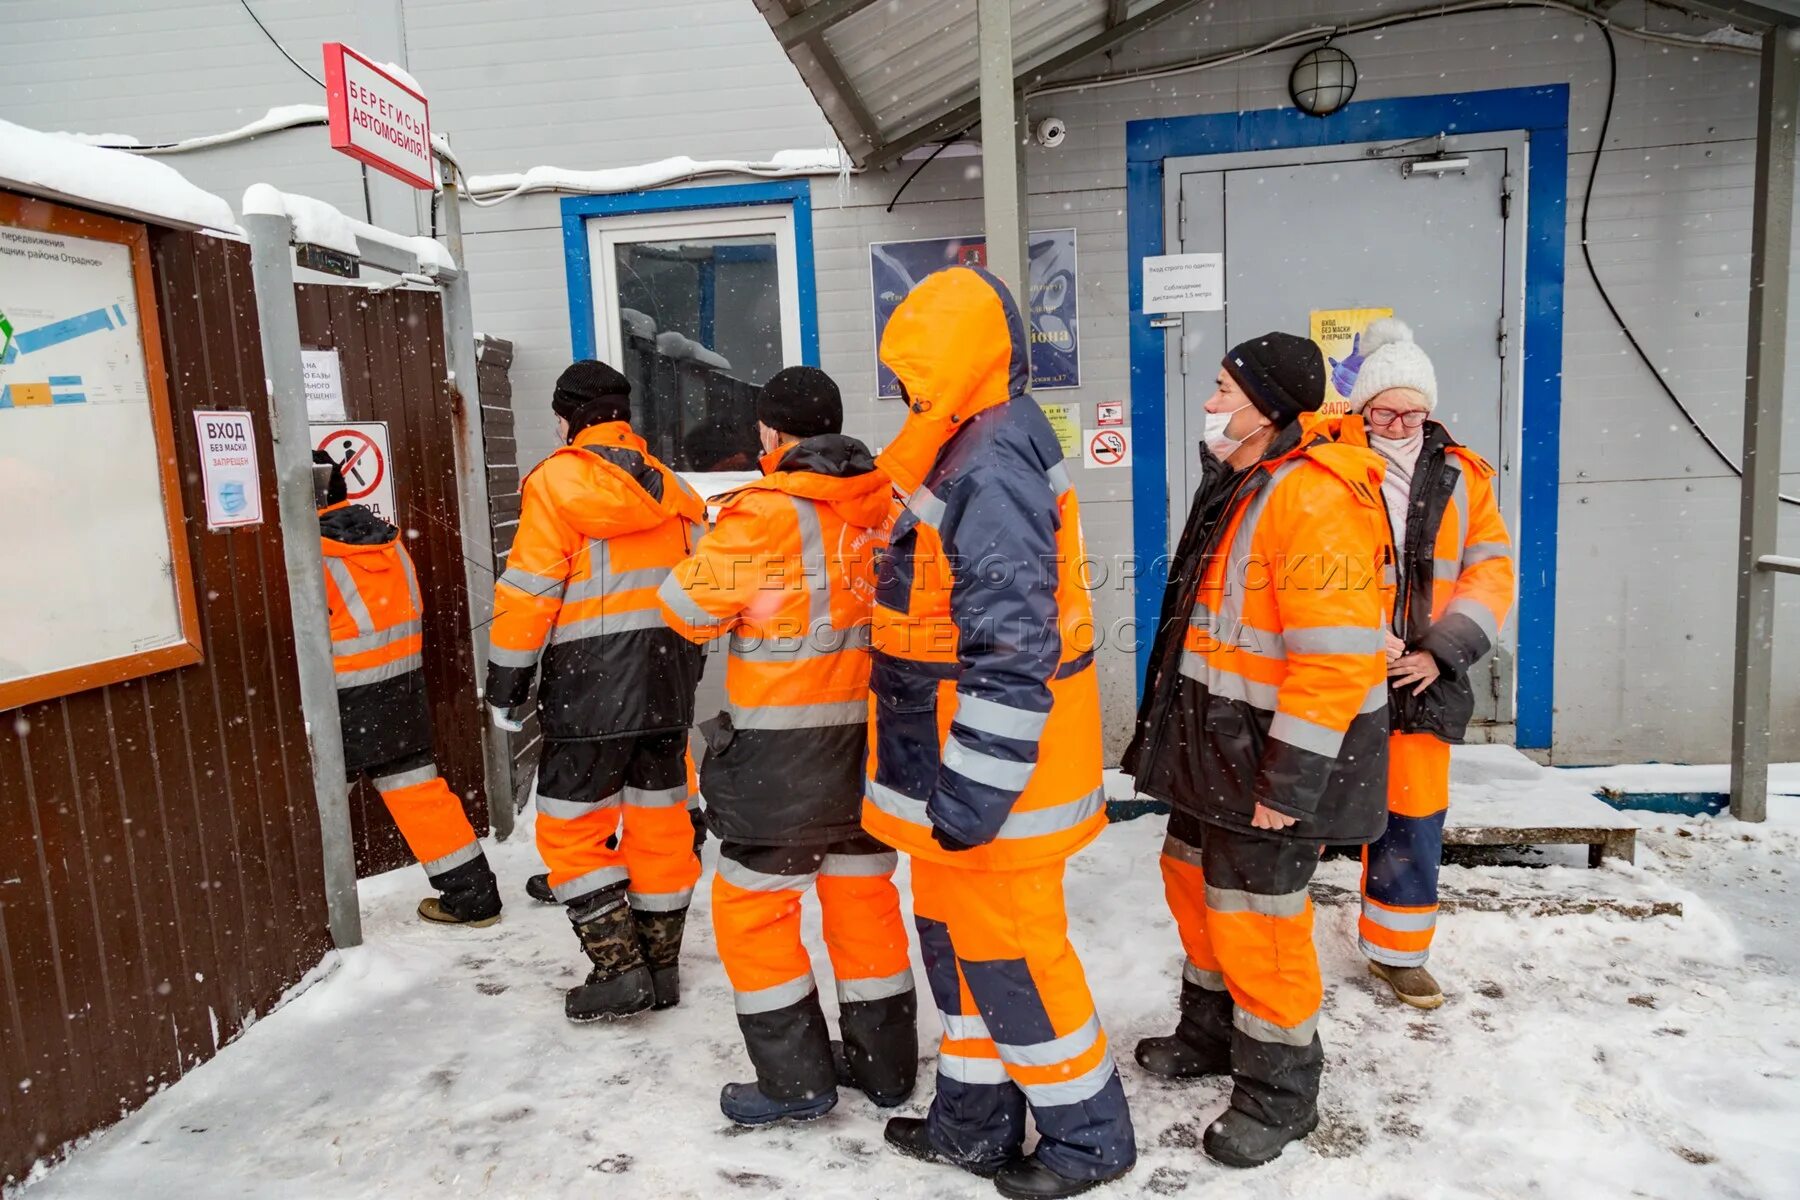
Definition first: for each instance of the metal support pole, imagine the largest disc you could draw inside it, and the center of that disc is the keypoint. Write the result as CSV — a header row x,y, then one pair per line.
x,y
1771,238
1003,218
472,499
272,268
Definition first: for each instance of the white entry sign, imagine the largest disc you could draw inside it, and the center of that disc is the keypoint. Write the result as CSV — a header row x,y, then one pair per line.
x,y
324,385
228,469
1184,283
360,450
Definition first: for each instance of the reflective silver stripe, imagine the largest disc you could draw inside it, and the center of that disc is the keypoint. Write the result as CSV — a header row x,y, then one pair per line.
x,y
1399,922
1307,735
500,656
660,902
769,999
341,647
1232,900
1446,568
1254,1026
1055,819
1264,643
593,881
985,768
1392,958
1376,700
1335,639
406,779
1058,475
1079,1090
675,797
671,594
815,644
1180,851
816,571
1477,552
569,810
964,1069
860,991
1002,720
1228,684
926,506
1477,612
963,1028
393,670
346,586
1212,981
613,583
1389,576
1060,1049
1460,498
454,859
860,865
1035,823
608,623
530,582
799,716
739,876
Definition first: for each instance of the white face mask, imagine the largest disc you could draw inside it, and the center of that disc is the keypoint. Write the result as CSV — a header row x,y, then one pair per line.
x,y
1222,446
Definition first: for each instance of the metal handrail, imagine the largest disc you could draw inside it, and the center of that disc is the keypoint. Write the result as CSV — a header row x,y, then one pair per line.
x,y
1779,562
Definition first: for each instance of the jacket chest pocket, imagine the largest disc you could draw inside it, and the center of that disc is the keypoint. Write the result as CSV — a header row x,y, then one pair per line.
x,y
906,729
895,565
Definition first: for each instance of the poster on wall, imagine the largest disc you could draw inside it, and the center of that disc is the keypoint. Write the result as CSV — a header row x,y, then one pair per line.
x,y
1339,331
228,469
895,268
94,584
1065,422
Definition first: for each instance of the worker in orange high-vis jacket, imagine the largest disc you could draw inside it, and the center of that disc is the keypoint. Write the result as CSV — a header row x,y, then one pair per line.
x,y
376,615
601,524
1456,586
986,764
787,572
1264,725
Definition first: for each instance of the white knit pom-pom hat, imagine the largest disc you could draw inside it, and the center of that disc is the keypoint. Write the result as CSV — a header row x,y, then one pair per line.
x,y
1391,359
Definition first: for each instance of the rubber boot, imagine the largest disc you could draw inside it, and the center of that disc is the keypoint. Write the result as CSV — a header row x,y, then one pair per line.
x,y
1238,1139
1201,1043
1029,1179
538,888
660,933
911,1136
467,895
620,984
748,1104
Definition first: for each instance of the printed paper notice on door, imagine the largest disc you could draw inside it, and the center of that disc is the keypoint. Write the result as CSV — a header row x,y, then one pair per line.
x,y
1338,331
1065,419
324,374
1184,283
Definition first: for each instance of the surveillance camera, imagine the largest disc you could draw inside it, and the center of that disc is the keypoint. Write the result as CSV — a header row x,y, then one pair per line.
x,y
1050,132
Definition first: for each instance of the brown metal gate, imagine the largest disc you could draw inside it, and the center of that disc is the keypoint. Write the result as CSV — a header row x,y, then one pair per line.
x,y
391,346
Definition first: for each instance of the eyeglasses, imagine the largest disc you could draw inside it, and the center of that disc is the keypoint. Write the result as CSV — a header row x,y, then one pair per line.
x,y
1411,419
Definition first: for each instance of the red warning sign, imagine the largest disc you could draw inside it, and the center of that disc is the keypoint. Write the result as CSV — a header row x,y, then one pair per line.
x,y
360,450
1106,447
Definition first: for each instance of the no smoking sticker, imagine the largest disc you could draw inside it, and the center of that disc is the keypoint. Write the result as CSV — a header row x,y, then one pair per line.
x,y
1106,447
360,450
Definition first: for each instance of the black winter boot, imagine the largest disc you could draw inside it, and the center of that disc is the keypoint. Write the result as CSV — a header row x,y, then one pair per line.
x,y
620,984
660,934
1029,1179
467,895
1238,1139
911,1136
538,888
1201,1043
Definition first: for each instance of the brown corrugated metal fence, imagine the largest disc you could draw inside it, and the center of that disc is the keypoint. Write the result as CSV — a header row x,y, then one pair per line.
x,y
160,872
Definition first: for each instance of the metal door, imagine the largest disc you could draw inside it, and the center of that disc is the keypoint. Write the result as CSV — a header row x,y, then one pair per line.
x,y
1346,227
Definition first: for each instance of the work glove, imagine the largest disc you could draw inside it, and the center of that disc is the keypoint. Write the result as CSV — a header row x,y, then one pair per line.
x,y
947,841
510,719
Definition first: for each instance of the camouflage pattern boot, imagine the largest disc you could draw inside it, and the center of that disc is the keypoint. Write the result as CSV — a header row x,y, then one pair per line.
x,y
619,985
660,934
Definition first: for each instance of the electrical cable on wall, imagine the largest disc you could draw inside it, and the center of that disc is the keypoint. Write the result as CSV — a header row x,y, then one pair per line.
x,y
278,45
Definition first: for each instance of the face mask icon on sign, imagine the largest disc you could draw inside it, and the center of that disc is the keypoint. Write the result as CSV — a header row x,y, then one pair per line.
x,y
232,499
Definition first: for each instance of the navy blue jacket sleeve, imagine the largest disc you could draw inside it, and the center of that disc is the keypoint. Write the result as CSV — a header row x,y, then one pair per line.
x,y
999,531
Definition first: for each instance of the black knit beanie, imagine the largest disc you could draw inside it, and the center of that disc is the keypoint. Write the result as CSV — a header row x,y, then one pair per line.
x,y
1283,375
801,402
328,482
591,393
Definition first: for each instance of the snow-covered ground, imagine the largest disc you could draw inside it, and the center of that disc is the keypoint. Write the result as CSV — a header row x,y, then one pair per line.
x,y
1578,1056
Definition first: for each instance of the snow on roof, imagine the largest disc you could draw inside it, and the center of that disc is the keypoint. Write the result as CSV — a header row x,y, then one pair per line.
x,y
319,224
829,161
59,168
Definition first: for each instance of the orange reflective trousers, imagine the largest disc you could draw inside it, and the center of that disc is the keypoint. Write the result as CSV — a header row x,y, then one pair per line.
x,y
1400,869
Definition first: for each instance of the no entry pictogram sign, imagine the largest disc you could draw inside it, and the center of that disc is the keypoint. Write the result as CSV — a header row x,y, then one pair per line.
x,y
360,450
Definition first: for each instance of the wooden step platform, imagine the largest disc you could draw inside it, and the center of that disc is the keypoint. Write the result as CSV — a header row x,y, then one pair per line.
x,y
1498,797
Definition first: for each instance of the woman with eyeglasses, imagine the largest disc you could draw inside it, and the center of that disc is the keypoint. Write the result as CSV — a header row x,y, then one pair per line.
x,y
1456,583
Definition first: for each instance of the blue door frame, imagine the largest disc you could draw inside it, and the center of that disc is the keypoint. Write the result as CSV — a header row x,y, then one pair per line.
x,y
1544,113
577,210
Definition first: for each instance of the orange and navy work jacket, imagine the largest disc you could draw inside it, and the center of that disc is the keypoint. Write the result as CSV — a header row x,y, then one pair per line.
x,y
787,572
601,524
1268,680
1457,578
985,704
377,637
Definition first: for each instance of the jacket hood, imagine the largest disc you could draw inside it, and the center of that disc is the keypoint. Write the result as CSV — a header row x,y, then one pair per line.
x,y
347,530
834,470
1359,467
607,478
1351,429
957,345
